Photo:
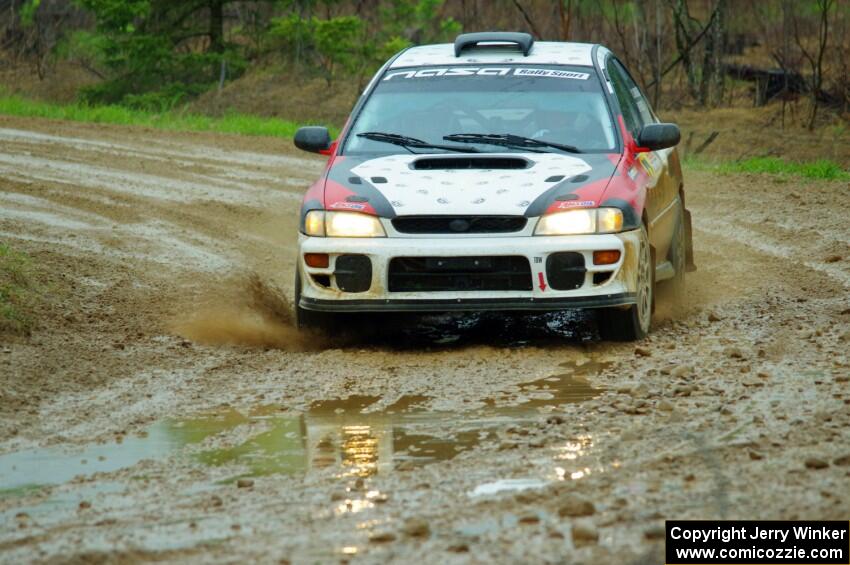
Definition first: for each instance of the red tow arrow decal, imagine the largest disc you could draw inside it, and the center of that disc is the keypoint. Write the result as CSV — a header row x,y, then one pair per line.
x,y
542,282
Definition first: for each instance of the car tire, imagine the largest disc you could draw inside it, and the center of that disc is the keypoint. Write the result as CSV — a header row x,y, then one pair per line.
x,y
633,323
310,320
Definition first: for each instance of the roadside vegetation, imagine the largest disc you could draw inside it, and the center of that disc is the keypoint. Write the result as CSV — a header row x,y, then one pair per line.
x,y
160,54
821,169
265,67
17,291
179,120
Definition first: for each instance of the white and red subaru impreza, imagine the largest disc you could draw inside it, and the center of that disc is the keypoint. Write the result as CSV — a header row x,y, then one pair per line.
x,y
495,173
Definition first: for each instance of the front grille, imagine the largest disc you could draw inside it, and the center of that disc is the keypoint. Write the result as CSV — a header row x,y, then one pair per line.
x,y
435,274
459,224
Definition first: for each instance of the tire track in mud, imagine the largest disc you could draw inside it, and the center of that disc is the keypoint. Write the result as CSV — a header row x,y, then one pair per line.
x,y
142,201
713,416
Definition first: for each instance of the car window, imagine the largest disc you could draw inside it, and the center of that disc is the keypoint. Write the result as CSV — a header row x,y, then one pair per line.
x,y
641,102
554,103
628,105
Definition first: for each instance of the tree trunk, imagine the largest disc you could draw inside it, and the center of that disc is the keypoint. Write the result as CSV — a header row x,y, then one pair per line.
x,y
528,20
684,32
824,7
683,40
640,25
566,16
786,52
717,34
656,99
216,26
216,34
299,40
707,68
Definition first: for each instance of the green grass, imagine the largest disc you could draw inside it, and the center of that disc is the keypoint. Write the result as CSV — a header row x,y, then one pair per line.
x,y
822,169
176,120
16,291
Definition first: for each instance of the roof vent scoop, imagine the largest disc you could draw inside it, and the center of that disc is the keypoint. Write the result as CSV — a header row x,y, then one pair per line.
x,y
523,41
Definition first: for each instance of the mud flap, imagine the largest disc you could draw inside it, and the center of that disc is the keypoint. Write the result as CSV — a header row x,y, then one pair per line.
x,y
690,266
652,258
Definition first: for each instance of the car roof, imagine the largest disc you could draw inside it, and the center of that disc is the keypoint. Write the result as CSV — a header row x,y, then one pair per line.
x,y
542,53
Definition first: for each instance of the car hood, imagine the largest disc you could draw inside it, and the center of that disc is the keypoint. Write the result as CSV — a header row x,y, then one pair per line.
x,y
528,184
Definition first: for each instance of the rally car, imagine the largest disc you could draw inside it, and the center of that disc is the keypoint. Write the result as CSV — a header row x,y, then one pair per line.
x,y
495,173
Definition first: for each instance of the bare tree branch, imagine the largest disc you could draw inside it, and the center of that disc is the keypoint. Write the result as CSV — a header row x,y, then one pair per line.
x,y
527,19
688,48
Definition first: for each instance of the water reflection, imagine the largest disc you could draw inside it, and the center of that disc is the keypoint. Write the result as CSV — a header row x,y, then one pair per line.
x,y
335,434
342,434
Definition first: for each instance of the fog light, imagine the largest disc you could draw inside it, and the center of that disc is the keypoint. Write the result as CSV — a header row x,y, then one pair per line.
x,y
317,260
606,257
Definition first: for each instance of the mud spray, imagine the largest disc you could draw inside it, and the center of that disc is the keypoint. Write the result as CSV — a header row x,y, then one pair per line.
x,y
244,311
248,311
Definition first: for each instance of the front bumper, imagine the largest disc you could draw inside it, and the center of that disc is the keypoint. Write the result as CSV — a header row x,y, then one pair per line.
x,y
320,292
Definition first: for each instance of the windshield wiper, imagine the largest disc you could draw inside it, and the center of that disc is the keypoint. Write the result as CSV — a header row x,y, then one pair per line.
x,y
408,142
509,140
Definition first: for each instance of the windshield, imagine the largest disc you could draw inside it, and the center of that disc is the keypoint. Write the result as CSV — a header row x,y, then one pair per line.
x,y
555,104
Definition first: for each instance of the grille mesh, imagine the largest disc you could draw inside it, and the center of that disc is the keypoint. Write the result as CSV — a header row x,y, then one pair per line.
x,y
435,274
459,224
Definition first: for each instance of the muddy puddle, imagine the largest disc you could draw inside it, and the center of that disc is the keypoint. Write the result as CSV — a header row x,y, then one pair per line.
x,y
349,436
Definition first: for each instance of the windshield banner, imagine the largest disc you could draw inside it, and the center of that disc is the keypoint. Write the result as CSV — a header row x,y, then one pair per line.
x,y
486,71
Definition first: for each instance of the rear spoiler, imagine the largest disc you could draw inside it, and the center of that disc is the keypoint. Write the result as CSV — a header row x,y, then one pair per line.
x,y
523,41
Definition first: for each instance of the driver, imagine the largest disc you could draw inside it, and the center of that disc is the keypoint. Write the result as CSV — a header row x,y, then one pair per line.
x,y
572,128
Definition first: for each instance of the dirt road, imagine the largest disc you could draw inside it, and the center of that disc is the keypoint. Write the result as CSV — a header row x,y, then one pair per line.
x,y
165,409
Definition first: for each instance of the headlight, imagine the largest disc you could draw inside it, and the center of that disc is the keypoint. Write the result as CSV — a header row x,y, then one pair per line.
x,y
567,223
609,220
352,224
342,224
574,222
314,223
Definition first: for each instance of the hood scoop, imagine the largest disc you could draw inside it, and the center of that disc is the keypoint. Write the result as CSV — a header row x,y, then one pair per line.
x,y
469,162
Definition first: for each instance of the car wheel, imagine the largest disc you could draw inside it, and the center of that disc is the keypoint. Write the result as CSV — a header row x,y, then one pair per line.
x,y
633,323
310,320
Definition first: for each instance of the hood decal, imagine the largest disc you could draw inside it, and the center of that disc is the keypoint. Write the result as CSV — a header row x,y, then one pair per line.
x,y
583,191
342,183
463,191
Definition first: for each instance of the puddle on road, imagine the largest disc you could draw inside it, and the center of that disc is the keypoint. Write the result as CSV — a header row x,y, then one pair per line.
x,y
339,433
60,501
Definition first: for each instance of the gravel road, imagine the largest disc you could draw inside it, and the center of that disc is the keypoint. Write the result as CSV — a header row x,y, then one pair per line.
x,y
165,409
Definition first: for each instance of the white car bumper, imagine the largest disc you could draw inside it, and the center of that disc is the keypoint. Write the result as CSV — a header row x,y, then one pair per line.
x,y
392,286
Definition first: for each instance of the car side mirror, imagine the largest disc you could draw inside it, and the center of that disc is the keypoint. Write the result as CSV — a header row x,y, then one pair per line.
x,y
659,136
313,139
